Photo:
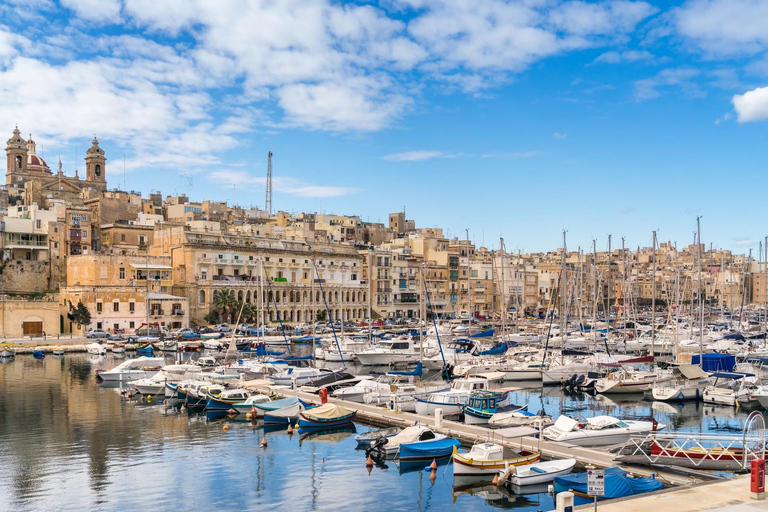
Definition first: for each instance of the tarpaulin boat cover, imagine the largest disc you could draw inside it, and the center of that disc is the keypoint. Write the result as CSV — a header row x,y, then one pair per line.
x,y
715,362
410,435
617,484
690,371
327,412
431,446
417,372
277,404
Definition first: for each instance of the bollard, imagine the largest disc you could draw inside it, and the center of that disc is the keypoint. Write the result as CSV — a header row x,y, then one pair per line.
x,y
757,480
392,402
564,502
438,418
293,383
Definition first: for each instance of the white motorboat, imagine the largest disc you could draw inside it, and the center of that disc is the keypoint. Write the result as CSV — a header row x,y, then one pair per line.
x,y
299,376
452,400
557,373
96,349
519,419
537,473
170,373
133,369
689,384
212,344
349,347
118,350
390,446
761,395
389,352
597,431
627,382
732,389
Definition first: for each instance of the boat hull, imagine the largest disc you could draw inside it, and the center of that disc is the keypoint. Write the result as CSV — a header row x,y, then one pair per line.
x,y
463,466
428,450
307,421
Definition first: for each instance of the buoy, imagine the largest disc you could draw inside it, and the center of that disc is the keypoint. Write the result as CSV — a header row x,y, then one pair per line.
x,y
264,441
495,479
149,398
248,416
369,462
433,476
290,429
226,427
433,466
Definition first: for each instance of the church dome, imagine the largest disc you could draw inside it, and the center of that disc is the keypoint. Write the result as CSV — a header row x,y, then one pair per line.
x,y
34,162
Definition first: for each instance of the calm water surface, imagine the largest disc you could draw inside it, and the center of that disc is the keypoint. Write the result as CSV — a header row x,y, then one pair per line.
x,y
67,443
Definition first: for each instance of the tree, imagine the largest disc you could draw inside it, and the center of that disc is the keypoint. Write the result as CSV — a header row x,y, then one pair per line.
x,y
224,302
81,314
320,317
212,317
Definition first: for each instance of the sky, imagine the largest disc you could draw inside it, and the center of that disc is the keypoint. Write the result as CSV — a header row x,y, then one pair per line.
x,y
516,119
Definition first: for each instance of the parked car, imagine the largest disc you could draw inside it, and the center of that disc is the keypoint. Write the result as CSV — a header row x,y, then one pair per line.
x,y
204,330
182,332
222,328
97,333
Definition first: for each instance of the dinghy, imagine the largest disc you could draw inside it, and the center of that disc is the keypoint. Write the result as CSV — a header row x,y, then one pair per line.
x,y
489,458
538,473
326,415
390,446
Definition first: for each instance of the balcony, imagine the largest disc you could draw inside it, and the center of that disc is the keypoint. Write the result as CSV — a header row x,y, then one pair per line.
x,y
178,312
236,262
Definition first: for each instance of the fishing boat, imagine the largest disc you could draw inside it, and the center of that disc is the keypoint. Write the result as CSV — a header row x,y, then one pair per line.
x,y
597,431
489,459
169,346
519,418
453,400
116,349
57,351
263,408
689,383
170,373
284,416
390,446
428,450
38,352
224,399
617,485
133,369
193,393
537,473
212,344
144,348
6,351
482,405
326,415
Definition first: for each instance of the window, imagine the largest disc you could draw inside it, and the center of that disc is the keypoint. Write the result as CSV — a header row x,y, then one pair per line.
x,y
122,272
85,218
354,277
116,306
85,234
99,307
122,237
142,239
132,307
38,223
204,274
131,325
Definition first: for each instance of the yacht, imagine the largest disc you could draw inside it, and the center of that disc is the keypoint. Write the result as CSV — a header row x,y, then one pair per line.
x,y
626,381
688,383
452,400
133,369
389,352
732,388
597,431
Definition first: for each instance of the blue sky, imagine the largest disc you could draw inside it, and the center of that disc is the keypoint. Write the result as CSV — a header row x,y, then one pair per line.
x,y
510,118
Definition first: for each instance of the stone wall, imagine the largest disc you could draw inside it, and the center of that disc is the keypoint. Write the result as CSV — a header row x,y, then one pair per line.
x,y
22,276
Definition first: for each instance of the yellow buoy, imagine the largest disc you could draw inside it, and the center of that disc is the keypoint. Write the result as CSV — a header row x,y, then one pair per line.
x,y
149,398
226,427
248,416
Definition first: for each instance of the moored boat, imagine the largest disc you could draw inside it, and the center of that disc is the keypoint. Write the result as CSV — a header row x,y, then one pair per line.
x,y
537,473
428,450
597,431
482,405
326,415
390,446
489,458
225,399
617,485
6,351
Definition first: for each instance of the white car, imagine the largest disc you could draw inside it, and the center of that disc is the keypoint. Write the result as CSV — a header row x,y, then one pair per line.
x,y
97,333
182,332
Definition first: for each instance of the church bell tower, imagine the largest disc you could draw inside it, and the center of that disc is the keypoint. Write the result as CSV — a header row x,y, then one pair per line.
x,y
96,166
16,151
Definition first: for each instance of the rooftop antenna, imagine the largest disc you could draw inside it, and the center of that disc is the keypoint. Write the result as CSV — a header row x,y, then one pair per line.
x,y
269,185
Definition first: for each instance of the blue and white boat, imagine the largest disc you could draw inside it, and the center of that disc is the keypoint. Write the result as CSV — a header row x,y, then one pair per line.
x,y
38,352
484,404
326,415
427,450
283,416
225,399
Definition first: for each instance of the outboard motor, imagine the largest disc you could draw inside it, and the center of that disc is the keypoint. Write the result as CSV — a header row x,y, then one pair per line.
x,y
569,382
447,371
579,380
380,441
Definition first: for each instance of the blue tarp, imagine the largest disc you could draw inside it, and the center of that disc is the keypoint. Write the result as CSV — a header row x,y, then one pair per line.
x,y
417,372
617,485
497,349
715,362
483,334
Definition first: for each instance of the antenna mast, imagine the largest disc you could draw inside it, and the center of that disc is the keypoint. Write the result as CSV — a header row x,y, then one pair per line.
x,y
268,207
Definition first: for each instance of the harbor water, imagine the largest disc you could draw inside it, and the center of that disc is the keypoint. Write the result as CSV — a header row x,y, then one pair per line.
x,y
68,443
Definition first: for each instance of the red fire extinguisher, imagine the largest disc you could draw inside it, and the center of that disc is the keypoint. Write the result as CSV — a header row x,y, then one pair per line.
x,y
757,484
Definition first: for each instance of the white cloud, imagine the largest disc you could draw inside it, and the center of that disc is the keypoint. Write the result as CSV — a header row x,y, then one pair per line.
x,y
723,119
95,11
608,18
616,57
752,105
723,27
560,136
650,88
417,156
743,242
280,185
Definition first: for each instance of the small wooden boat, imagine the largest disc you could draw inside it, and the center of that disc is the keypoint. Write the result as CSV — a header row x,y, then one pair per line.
x,y
6,351
538,473
490,458
118,350
389,446
428,450
283,416
38,352
58,351
224,400
326,415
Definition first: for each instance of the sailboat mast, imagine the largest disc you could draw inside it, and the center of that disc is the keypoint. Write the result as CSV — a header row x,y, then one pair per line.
x,y
563,298
469,286
653,299
503,286
701,302
370,293
608,309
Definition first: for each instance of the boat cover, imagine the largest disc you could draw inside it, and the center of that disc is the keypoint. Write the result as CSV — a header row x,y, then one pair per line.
x,y
417,372
565,424
410,435
277,404
327,412
602,421
495,350
432,446
483,334
690,371
715,362
617,483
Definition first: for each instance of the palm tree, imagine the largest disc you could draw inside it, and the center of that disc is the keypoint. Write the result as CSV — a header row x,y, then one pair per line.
x,y
224,302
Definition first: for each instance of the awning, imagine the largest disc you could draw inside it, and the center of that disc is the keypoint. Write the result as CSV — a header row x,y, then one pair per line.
x,y
690,371
151,266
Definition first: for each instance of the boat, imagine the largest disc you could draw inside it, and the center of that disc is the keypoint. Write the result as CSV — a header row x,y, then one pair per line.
x,y
519,418
689,384
617,485
58,351
6,351
482,405
263,408
193,392
171,373
326,415
38,352
390,446
389,352
489,459
211,335
536,473
734,389
597,431
207,361
283,416
212,344
365,439
225,399
301,376
453,400
169,346
428,450
144,348
133,369
96,349
118,350
626,382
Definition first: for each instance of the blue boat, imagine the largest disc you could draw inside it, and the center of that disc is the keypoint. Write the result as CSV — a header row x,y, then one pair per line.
x,y
426,450
617,485
484,404
144,349
38,353
326,415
